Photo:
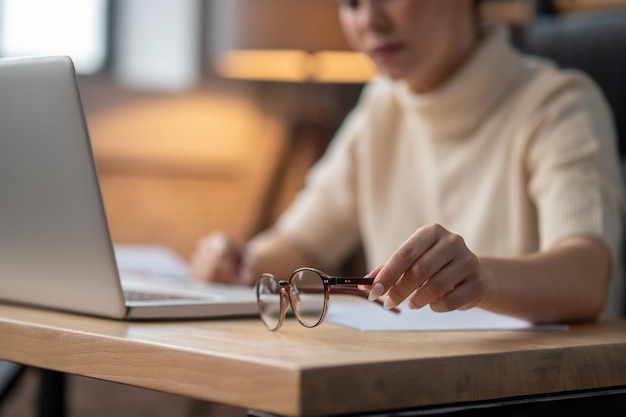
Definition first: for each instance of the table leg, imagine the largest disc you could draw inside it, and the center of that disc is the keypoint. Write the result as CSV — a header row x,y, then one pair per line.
x,y
51,400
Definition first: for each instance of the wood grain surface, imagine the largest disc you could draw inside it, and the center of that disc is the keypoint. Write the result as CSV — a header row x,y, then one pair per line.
x,y
322,371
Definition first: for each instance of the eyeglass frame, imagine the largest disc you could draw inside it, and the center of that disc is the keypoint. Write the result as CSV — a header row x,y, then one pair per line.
x,y
328,281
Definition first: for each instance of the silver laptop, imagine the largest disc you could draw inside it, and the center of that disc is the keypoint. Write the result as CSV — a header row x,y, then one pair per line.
x,y
55,246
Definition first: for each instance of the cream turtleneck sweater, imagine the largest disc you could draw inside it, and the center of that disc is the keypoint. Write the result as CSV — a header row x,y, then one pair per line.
x,y
511,154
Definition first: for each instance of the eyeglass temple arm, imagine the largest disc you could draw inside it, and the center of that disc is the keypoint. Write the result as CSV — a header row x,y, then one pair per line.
x,y
350,281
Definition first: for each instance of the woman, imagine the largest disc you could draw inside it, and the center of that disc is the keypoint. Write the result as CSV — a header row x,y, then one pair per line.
x,y
473,176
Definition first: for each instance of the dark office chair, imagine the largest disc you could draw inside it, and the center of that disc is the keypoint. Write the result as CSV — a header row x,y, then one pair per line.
x,y
9,374
51,396
594,42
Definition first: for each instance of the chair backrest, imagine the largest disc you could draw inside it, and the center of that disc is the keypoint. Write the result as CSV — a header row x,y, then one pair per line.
x,y
9,374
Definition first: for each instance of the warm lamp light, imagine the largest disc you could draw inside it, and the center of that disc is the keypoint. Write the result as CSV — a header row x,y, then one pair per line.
x,y
296,66
343,67
284,40
275,65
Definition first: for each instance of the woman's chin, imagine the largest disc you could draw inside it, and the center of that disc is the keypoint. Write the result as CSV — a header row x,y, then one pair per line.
x,y
393,75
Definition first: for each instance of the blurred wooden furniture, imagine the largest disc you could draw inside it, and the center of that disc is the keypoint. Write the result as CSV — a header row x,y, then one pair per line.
x,y
329,370
174,168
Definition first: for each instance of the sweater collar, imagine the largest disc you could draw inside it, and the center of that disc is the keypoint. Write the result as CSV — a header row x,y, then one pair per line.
x,y
457,107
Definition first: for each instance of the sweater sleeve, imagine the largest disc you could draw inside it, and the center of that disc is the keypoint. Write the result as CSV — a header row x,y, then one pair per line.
x,y
574,168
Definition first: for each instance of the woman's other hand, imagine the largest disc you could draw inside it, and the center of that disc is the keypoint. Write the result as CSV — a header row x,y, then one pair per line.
x,y
218,258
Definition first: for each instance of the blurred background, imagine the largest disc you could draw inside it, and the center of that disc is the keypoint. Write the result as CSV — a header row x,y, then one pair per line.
x,y
206,114
197,109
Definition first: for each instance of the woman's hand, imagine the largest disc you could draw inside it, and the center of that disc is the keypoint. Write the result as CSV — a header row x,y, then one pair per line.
x,y
433,267
218,258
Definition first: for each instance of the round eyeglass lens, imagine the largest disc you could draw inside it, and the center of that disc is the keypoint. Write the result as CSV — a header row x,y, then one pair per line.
x,y
268,296
307,297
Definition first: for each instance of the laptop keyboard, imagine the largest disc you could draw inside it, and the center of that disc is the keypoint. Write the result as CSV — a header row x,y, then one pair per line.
x,y
132,295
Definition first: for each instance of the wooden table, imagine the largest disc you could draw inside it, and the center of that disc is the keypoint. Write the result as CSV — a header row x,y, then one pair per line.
x,y
322,371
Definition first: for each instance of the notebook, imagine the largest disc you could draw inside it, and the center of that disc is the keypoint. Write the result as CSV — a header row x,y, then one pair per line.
x,y
55,247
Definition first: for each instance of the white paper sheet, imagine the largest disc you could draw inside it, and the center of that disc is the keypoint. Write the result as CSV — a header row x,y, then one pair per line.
x,y
371,317
151,260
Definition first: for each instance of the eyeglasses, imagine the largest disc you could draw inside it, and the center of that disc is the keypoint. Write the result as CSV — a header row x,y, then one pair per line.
x,y
307,292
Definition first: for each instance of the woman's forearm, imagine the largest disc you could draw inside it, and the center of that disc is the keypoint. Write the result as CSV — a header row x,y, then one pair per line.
x,y
567,283
271,252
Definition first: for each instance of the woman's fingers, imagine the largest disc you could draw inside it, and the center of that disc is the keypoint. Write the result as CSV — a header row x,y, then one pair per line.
x,y
432,267
419,273
453,275
465,296
404,257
